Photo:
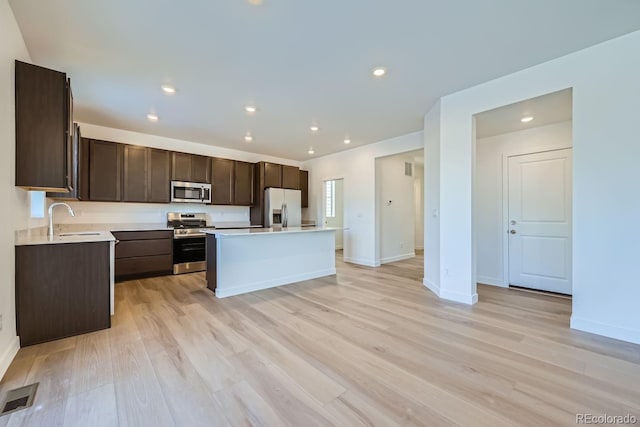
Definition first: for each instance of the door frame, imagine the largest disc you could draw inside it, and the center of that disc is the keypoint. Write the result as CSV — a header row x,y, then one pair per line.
x,y
505,207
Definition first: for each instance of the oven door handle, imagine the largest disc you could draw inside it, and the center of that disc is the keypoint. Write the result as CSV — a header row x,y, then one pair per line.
x,y
187,236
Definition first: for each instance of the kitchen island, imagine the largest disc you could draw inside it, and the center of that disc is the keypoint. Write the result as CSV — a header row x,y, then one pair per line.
x,y
247,260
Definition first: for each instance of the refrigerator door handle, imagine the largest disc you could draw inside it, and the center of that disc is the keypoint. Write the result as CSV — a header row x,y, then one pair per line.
x,y
285,215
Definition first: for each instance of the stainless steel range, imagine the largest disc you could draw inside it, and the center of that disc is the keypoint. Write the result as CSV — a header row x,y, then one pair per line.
x,y
189,254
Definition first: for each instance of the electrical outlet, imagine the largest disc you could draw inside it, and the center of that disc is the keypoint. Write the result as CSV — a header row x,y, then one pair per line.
x,y
401,245
0,322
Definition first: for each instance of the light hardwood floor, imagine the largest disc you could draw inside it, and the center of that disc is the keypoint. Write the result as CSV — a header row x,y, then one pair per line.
x,y
365,347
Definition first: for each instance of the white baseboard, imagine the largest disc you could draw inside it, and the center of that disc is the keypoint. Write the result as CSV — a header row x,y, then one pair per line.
x,y
419,248
431,286
7,357
449,295
493,281
339,247
401,257
611,331
459,297
258,286
365,262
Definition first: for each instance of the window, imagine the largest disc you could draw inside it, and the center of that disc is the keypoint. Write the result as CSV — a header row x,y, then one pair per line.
x,y
330,199
38,201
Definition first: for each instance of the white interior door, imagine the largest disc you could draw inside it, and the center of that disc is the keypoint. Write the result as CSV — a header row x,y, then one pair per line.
x,y
539,230
333,208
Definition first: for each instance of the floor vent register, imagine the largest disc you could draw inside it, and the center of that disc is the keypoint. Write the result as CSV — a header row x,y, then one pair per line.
x,y
20,398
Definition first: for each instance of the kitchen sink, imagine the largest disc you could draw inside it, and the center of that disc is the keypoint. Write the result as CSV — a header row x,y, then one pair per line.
x,y
82,233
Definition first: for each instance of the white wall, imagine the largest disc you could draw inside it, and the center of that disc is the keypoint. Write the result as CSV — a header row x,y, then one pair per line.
x,y
357,167
17,201
396,207
606,101
489,224
432,199
148,213
418,194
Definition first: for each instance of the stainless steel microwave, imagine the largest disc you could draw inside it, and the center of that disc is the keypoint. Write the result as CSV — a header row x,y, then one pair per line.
x,y
190,192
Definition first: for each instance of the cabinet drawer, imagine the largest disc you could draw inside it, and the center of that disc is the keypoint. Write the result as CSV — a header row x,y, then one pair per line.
x,y
140,266
141,248
142,235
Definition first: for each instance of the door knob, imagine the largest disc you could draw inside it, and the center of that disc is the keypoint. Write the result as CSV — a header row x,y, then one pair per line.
x,y
513,232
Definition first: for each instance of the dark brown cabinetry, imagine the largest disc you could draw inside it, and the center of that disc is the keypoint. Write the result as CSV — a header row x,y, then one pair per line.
x,y
79,170
272,174
190,168
304,187
159,175
143,254
44,128
222,180
61,290
105,171
135,182
290,177
232,182
243,185
146,174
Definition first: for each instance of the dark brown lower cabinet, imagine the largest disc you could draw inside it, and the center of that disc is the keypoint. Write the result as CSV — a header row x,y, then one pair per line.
x,y
143,254
212,260
61,290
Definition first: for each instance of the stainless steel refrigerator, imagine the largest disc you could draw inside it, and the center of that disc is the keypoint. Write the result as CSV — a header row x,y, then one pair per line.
x,y
283,208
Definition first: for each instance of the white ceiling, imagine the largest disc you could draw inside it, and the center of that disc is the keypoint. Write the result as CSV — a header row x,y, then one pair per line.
x,y
547,109
298,61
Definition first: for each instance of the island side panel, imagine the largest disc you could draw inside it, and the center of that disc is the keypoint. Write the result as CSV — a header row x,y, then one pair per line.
x,y
247,263
212,257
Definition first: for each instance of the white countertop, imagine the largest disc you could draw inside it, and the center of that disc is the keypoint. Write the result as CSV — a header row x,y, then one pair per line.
x,y
70,237
269,231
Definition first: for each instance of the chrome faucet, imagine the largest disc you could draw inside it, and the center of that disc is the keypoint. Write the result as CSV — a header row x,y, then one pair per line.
x,y
53,205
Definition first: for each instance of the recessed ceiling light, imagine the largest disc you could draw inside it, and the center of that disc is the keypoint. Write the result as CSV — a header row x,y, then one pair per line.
x,y
248,137
314,128
379,71
250,109
526,119
255,2
311,151
347,141
168,89
152,117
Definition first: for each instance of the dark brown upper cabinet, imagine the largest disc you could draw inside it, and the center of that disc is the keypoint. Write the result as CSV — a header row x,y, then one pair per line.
x,y
135,182
181,167
105,171
290,177
272,174
44,129
222,180
200,169
190,168
243,185
304,186
80,169
159,176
